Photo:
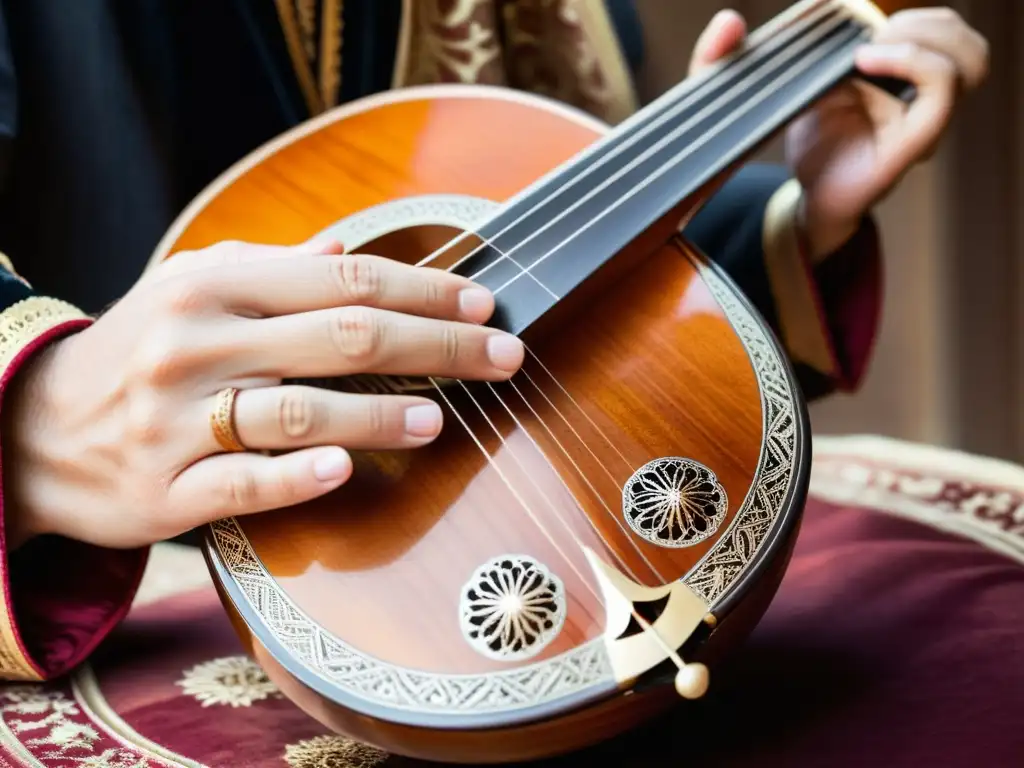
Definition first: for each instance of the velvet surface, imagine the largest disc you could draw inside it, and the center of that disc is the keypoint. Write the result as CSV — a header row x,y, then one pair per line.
x,y
897,638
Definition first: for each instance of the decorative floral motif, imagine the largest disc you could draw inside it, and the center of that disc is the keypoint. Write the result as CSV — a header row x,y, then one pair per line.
x,y
51,725
234,681
574,671
563,49
333,752
674,502
511,608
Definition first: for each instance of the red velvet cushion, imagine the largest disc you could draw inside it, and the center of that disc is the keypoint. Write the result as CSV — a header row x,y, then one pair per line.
x,y
897,639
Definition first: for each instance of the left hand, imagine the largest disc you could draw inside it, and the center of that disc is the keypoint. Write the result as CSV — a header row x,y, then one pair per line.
x,y
856,143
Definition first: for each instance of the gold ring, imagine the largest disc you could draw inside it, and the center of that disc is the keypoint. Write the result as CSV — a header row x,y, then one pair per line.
x,y
222,421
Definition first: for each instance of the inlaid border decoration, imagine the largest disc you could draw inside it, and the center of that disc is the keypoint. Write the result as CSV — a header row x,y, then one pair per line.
x,y
574,672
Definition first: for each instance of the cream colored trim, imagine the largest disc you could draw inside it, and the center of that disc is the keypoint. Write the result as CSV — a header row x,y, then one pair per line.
x,y
401,67
800,321
846,470
24,322
21,752
921,458
90,698
357,107
20,325
867,12
594,19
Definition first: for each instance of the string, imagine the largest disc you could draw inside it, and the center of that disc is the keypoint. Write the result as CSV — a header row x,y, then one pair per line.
x,y
691,148
554,509
805,65
679,131
511,487
645,626
729,69
482,448
581,473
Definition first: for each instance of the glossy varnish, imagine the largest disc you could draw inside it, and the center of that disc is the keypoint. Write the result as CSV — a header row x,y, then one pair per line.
x,y
641,365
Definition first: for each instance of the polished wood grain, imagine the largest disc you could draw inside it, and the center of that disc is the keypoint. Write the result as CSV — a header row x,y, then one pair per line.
x,y
647,366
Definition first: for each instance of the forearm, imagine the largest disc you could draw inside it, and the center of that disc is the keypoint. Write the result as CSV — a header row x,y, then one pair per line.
x,y
60,598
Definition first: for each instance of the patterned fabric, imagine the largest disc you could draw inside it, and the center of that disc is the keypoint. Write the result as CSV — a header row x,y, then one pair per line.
x,y
897,638
564,49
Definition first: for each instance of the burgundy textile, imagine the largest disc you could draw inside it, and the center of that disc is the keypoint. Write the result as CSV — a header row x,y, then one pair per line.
x,y
65,596
849,296
891,642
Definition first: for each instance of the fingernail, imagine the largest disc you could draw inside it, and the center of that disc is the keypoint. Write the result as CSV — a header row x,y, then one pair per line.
x,y
505,351
423,420
475,303
331,465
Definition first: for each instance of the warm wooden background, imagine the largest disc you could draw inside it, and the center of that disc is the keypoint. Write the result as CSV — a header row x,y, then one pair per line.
x,y
949,367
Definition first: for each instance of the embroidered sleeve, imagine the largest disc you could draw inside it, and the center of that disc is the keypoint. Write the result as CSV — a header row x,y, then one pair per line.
x,y
59,598
825,315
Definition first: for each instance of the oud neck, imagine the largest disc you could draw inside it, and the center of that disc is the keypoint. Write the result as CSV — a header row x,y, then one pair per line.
x,y
546,242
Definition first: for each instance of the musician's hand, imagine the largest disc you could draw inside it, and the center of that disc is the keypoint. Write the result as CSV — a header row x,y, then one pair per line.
x,y
107,435
858,142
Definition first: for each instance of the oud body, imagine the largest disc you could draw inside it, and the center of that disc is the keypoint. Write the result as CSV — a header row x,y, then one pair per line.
x,y
617,515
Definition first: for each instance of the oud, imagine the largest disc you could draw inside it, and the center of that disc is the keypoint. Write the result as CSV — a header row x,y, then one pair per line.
x,y
584,541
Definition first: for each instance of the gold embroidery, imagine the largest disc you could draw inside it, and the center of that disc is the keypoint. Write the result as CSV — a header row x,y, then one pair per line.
x,y
293,38
20,325
563,49
568,50
318,68
54,726
307,23
234,681
974,497
330,52
453,42
24,322
332,752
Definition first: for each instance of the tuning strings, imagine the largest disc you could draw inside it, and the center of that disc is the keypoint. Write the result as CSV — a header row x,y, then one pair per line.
x,y
691,147
726,73
580,472
682,119
530,512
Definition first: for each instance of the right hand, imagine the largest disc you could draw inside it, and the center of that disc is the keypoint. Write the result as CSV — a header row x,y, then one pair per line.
x,y
107,434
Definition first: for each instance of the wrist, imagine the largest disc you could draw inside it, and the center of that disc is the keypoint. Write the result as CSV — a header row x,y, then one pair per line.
x,y
823,235
33,474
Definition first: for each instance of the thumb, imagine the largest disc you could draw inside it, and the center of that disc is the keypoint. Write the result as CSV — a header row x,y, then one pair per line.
x,y
723,34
